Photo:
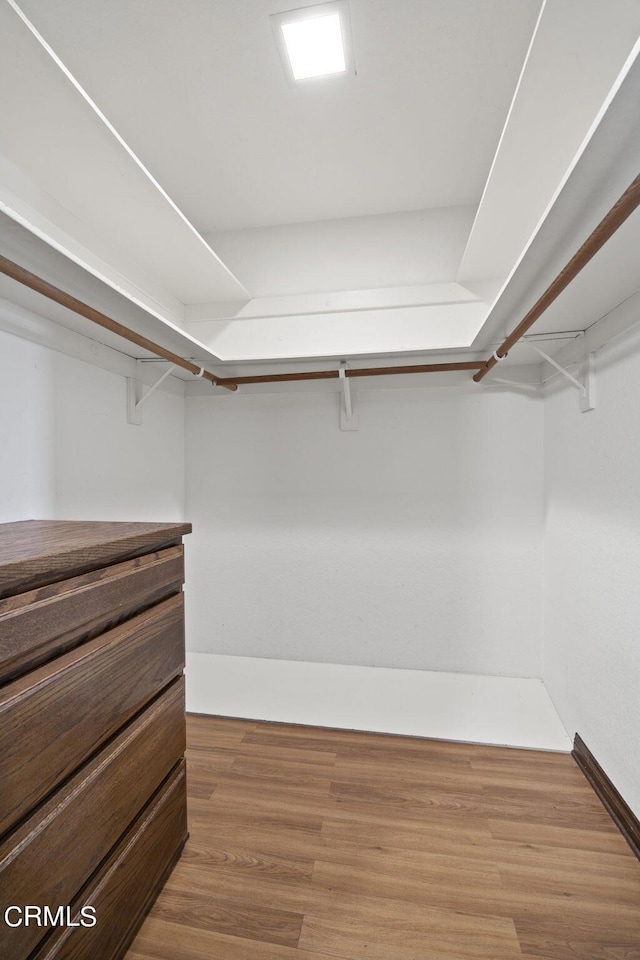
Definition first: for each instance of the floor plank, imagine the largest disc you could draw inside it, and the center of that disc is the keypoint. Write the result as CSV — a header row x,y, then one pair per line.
x,y
311,844
194,910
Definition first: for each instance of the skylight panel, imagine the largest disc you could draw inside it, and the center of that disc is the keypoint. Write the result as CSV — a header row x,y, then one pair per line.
x,y
314,42
314,46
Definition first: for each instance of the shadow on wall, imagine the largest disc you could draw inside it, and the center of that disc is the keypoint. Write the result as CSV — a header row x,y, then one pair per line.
x,y
67,450
27,455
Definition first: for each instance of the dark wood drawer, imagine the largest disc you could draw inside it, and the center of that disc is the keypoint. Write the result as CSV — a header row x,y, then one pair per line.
x,y
36,552
58,715
50,856
128,882
42,623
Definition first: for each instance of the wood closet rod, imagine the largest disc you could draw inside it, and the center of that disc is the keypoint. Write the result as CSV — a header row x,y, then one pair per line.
x,y
16,272
361,372
620,211
614,219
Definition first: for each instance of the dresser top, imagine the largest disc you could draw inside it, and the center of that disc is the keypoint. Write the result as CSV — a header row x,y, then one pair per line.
x,y
36,552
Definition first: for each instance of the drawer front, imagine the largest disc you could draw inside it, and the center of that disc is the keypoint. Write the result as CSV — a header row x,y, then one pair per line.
x,y
52,719
47,859
128,883
36,626
36,552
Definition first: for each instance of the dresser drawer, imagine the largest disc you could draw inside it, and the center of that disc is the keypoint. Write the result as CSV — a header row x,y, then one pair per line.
x,y
42,623
128,882
58,715
50,856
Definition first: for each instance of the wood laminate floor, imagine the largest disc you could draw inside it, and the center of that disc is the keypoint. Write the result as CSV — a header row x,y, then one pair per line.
x,y
308,844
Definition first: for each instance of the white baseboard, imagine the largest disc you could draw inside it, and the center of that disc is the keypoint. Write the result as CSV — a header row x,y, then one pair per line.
x,y
448,706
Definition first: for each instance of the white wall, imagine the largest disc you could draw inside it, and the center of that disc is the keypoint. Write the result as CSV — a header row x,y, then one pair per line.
x,y
592,564
66,450
414,542
397,249
26,431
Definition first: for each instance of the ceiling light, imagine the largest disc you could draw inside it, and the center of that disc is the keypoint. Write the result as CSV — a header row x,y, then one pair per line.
x,y
314,42
314,46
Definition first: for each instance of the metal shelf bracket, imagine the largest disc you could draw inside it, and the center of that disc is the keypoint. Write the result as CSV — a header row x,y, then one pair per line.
x,y
586,386
588,398
135,398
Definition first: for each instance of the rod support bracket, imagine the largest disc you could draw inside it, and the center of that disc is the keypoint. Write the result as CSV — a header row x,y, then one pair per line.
x,y
586,386
135,397
588,396
134,411
348,415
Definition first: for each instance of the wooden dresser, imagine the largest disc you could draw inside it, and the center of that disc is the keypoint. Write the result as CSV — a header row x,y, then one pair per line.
x,y
92,732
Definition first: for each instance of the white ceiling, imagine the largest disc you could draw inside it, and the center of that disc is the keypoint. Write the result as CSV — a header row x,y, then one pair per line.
x,y
576,53
160,147
22,246
49,133
197,89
